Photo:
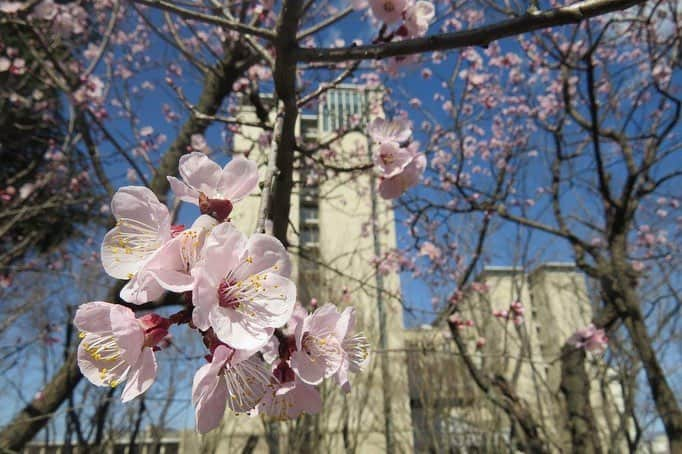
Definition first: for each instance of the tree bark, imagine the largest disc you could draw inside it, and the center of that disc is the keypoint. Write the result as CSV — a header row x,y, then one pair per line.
x,y
575,386
620,290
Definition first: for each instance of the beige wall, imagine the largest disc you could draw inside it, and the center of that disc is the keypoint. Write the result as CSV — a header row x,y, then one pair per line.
x,y
556,305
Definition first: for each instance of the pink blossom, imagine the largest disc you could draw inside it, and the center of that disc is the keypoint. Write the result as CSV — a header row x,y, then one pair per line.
x,y
318,342
117,347
198,143
45,10
480,343
397,130
391,159
394,186
241,287
170,266
388,11
359,5
418,17
287,396
204,182
91,91
430,250
5,64
11,7
142,227
234,378
355,349
589,338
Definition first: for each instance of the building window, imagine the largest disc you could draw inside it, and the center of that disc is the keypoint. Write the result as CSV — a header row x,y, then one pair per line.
x,y
340,105
308,215
310,236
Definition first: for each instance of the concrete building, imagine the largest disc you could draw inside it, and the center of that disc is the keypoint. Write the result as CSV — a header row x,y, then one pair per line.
x,y
449,412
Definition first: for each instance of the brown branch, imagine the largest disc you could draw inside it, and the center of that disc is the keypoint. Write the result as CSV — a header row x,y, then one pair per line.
x,y
207,18
284,75
481,36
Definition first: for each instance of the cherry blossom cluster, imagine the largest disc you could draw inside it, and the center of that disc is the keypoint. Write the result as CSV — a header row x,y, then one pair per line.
x,y
590,338
515,313
266,353
415,16
63,19
396,158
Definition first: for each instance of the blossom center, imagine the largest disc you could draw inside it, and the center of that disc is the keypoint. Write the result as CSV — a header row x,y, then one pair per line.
x,y
219,209
320,348
246,383
237,295
105,349
357,349
387,157
135,237
389,7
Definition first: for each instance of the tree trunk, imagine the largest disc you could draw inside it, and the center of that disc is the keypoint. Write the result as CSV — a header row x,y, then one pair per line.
x,y
620,290
575,386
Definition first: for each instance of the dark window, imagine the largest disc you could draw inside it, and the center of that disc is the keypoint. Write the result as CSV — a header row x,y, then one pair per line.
x,y
309,236
309,214
171,448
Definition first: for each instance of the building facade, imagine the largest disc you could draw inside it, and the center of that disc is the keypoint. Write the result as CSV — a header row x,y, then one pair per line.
x,y
450,413
333,243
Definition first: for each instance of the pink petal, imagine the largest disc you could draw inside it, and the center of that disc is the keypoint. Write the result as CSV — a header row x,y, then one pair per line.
x,y
142,375
393,187
183,192
306,399
222,250
206,378
141,289
272,307
200,173
233,329
128,333
204,298
141,204
322,320
93,317
341,377
311,372
209,393
143,226
264,252
210,409
345,324
270,350
174,281
239,178
391,159
397,130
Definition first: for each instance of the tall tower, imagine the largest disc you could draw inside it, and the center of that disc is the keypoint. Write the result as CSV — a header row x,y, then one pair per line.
x,y
338,227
